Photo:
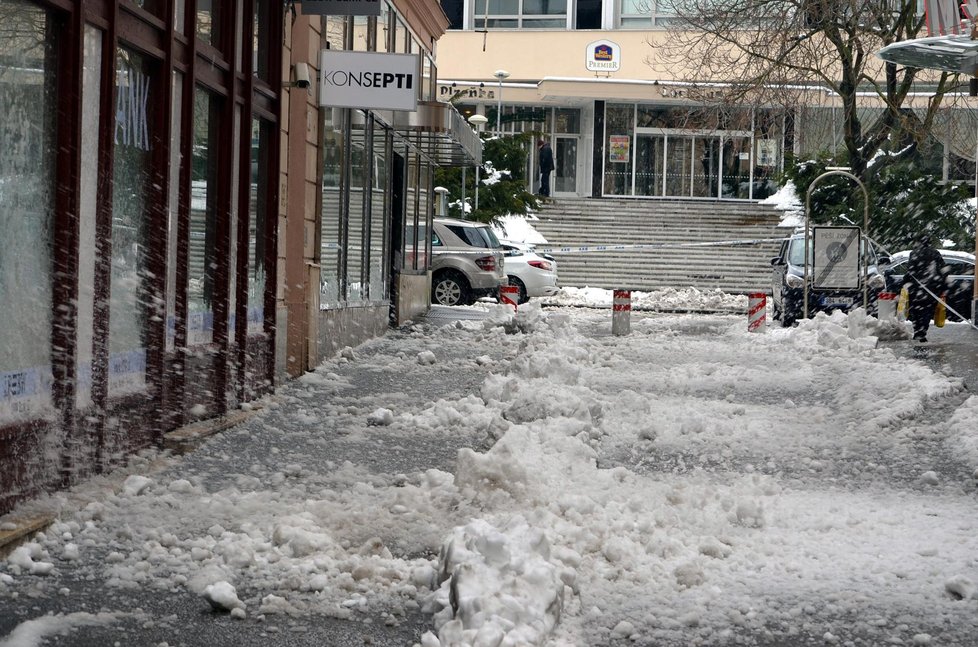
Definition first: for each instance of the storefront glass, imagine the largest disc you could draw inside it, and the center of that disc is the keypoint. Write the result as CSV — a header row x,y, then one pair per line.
x,y
27,163
88,212
619,127
130,300
202,257
356,228
257,222
332,151
378,209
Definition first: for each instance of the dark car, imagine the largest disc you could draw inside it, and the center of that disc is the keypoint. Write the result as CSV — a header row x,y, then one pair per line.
x,y
788,278
960,280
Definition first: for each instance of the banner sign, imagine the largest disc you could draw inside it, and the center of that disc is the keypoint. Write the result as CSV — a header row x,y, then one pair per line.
x,y
836,262
368,80
340,7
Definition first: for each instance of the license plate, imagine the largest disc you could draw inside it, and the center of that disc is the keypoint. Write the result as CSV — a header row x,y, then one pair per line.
x,y
837,302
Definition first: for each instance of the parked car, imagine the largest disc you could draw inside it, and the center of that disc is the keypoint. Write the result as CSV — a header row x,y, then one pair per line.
x,y
788,278
535,275
466,262
961,279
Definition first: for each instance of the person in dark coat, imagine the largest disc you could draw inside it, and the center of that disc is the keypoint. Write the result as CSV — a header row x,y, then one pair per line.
x,y
546,166
925,280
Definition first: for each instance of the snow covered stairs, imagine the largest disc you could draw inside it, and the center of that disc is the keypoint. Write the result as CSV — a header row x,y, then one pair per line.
x,y
688,231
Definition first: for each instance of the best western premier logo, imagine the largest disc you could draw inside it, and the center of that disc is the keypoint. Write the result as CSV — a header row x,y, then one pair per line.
x,y
603,56
368,80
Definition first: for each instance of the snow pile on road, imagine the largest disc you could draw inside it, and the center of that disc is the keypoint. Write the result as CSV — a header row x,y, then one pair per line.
x,y
690,482
668,300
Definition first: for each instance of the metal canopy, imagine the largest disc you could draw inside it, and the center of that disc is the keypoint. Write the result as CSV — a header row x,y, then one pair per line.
x,y
439,131
952,53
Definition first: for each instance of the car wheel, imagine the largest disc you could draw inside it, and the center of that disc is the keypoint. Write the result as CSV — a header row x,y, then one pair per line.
x,y
789,313
450,289
521,296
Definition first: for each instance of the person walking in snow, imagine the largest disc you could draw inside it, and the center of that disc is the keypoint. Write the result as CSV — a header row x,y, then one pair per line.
x,y
546,166
925,280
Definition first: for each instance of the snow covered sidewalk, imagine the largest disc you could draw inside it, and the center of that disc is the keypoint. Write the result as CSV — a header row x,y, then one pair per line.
x,y
540,482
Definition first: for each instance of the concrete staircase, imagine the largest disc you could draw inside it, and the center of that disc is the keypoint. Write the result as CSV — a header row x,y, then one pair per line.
x,y
678,243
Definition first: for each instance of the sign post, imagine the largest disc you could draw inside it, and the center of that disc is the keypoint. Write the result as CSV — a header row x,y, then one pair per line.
x,y
808,252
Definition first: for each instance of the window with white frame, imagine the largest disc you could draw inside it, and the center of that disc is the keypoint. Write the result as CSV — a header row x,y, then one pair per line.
x,y
520,14
646,13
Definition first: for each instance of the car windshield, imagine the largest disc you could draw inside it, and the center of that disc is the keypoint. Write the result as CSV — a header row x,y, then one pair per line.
x,y
796,251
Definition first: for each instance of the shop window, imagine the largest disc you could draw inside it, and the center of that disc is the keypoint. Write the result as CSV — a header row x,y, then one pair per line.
x,y
332,148
411,247
209,21
131,185
378,210
258,243
27,163
202,259
402,37
425,187
356,223
88,212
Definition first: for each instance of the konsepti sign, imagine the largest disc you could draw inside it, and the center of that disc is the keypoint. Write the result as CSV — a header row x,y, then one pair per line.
x,y
369,80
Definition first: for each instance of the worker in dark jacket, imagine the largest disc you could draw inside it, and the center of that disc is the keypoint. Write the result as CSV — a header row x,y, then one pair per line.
x,y
925,280
546,166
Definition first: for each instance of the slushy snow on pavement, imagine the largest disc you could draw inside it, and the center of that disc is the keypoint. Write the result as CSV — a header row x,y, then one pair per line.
x,y
690,483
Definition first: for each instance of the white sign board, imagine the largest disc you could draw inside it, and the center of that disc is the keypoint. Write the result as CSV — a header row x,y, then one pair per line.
x,y
836,257
368,80
602,56
340,7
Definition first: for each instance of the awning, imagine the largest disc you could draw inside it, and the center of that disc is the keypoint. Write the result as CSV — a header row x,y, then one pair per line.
x,y
441,133
949,53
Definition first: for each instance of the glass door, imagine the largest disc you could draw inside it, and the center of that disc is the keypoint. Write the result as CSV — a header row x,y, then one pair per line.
x,y
679,162
649,163
565,164
706,167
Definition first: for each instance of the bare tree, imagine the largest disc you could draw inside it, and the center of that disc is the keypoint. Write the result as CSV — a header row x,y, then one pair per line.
x,y
775,52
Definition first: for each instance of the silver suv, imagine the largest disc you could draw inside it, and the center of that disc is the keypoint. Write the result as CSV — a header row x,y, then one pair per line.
x,y
466,262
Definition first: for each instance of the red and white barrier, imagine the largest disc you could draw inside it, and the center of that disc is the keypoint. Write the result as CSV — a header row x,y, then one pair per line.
x,y
886,306
509,294
756,311
621,312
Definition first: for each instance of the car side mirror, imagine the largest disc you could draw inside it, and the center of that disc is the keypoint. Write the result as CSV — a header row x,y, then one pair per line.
x,y
883,260
776,260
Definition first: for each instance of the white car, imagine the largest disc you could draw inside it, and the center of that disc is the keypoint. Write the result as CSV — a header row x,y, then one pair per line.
x,y
534,274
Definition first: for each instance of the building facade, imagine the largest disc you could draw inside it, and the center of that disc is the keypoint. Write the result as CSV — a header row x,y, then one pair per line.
x,y
623,124
182,224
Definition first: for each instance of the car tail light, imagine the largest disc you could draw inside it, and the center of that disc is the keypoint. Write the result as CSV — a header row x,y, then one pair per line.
x,y
543,265
486,263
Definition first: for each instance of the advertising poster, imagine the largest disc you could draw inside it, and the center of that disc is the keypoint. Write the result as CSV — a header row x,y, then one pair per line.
x,y
618,148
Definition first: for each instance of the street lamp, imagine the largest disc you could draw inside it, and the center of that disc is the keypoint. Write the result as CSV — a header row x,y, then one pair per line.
x,y
500,75
477,121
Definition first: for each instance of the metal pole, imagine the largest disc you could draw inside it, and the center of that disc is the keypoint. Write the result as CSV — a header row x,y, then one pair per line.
x,y
808,211
463,192
499,108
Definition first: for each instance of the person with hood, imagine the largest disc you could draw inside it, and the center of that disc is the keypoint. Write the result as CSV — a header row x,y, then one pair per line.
x,y
546,166
925,280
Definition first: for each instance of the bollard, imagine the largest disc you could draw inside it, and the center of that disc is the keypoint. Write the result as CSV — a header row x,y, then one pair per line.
x,y
756,311
508,294
621,312
886,306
